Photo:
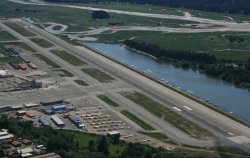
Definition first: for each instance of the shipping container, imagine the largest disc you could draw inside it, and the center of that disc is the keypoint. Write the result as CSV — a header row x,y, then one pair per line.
x,y
57,121
14,50
76,121
14,65
22,66
32,66
24,58
52,103
30,105
49,112
58,107
30,114
21,113
43,122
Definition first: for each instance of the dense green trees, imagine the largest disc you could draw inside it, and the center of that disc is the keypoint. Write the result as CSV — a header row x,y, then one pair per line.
x,y
161,53
222,6
100,14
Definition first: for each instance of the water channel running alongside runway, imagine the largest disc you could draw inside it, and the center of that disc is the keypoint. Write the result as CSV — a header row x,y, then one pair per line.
x,y
215,91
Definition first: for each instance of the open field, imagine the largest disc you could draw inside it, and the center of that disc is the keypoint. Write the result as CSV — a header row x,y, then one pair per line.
x,y
163,10
217,44
5,36
64,73
136,120
98,75
76,19
48,61
42,42
159,136
81,82
68,57
168,115
19,29
108,100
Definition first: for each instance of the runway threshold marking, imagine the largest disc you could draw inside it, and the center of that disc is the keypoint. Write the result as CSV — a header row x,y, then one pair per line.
x,y
186,107
231,134
177,109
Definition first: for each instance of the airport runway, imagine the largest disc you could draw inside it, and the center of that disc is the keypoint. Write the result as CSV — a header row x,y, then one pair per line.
x,y
212,120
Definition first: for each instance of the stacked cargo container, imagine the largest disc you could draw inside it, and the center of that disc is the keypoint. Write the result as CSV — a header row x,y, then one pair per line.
x,y
49,112
43,122
22,66
21,113
57,121
76,121
24,58
14,50
58,107
14,65
32,66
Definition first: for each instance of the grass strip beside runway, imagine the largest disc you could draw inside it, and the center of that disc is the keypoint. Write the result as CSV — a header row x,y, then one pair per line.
x,y
168,115
136,120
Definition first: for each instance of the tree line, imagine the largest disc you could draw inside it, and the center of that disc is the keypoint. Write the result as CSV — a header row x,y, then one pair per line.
x,y
237,73
161,53
221,6
67,143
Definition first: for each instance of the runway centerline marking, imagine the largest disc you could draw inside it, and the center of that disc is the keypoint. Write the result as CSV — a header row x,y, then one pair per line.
x,y
177,109
186,107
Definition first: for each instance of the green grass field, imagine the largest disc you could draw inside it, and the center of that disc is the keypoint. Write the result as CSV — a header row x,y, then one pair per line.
x,y
159,136
25,46
165,10
48,61
73,60
216,44
98,75
76,19
108,100
81,82
136,120
64,73
42,42
167,114
19,29
5,36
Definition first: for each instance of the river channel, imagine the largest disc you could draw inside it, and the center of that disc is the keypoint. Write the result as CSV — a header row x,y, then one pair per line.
x,y
215,91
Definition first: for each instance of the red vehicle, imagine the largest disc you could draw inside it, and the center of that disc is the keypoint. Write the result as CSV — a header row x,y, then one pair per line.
x,y
32,66
22,66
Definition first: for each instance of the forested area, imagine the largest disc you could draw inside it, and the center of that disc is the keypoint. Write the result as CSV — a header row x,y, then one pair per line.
x,y
161,53
237,73
72,144
221,6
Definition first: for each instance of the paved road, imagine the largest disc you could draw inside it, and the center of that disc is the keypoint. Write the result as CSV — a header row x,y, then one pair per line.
x,y
199,114
244,26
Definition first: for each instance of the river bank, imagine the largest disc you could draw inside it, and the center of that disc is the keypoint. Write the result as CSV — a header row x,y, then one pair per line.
x,y
223,107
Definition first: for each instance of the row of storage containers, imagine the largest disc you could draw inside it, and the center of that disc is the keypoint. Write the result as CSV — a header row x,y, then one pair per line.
x,y
14,50
76,121
22,66
24,58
